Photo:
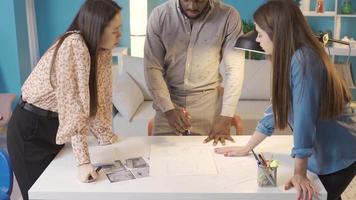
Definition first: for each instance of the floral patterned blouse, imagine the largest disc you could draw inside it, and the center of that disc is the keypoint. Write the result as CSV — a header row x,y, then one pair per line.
x,y
65,89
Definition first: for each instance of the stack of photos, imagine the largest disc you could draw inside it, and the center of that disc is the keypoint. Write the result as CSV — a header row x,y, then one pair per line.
x,y
134,168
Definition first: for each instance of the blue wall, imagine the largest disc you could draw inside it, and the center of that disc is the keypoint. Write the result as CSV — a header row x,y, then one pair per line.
x,y
22,39
348,27
245,8
14,50
153,3
326,23
54,17
8,48
246,11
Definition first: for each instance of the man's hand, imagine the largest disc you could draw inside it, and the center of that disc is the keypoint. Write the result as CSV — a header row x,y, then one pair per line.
x,y
178,120
220,131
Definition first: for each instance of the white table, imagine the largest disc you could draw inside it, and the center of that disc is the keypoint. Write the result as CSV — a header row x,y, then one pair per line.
x,y
236,178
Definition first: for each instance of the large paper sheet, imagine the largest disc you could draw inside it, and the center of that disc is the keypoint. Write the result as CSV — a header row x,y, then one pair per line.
x,y
102,155
181,160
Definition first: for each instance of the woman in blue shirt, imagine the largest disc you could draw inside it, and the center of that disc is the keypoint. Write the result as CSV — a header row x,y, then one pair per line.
x,y
310,97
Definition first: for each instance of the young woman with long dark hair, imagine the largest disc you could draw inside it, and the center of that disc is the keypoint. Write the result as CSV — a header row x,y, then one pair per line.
x,y
310,97
67,95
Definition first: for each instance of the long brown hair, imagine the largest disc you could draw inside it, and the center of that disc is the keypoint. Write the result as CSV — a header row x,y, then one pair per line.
x,y
90,22
289,31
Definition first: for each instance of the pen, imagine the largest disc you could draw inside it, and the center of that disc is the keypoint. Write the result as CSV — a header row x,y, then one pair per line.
x,y
185,113
263,161
254,154
90,178
98,169
268,176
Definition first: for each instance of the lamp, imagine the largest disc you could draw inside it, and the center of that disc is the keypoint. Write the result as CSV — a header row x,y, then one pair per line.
x,y
325,39
138,22
247,42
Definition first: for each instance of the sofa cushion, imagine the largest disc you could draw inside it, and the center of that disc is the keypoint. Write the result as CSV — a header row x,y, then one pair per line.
x,y
251,112
256,85
135,68
257,82
139,123
252,109
127,96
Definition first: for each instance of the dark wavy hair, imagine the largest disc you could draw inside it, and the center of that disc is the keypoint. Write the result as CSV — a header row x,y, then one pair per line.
x,y
90,21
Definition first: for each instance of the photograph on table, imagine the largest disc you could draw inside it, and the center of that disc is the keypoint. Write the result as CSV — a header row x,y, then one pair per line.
x,y
120,176
117,166
141,172
134,168
137,162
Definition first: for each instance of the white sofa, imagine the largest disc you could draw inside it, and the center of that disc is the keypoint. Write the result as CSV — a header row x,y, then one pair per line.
x,y
133,102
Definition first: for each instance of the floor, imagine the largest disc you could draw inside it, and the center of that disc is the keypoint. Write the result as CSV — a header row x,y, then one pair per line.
x,y
349,194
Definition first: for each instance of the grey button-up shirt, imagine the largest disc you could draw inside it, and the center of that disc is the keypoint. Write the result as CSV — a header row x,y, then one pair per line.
x,y
184,55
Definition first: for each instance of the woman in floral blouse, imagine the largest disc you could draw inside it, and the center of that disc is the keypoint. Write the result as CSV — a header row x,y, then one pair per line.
x,y
67,95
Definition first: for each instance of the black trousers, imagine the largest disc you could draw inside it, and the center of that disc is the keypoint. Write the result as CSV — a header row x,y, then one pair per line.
x,y
31,146
336,183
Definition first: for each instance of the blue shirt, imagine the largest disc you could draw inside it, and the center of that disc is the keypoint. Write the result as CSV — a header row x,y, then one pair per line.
x,y
329,144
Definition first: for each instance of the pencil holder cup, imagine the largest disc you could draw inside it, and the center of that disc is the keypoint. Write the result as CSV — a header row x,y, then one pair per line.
x,y
266,176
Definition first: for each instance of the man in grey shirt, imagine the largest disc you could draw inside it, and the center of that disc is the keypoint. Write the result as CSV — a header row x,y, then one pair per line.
x,y
185,44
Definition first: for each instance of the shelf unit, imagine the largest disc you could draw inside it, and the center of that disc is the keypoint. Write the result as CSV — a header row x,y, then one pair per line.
x,y
315,14
337,17
339,51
